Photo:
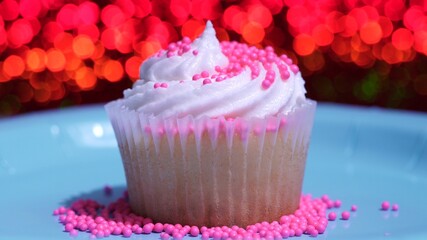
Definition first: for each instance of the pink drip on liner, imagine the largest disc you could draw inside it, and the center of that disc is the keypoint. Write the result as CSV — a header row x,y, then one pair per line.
x,y
240,127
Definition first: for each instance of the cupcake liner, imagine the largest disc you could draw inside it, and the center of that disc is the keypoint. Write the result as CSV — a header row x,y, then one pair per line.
x,y
213,171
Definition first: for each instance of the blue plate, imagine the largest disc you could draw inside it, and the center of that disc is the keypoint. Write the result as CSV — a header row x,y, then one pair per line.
x,y
362,156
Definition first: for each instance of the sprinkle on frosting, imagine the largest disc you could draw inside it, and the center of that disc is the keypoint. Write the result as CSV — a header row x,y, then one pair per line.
x,y
241,56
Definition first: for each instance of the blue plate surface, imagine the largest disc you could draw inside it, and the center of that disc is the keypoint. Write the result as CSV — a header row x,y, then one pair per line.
x,y
362,156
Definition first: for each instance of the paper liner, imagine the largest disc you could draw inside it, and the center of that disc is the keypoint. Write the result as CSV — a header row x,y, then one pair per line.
x,y
213,172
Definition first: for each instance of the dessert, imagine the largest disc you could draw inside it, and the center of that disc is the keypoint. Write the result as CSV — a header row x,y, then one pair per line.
x,y
214,134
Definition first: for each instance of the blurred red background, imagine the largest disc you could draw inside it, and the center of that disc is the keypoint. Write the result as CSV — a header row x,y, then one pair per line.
x,y
57,53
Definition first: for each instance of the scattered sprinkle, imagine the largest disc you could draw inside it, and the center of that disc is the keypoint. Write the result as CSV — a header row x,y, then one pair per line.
x,y
385,205
332,216
206,81
395,207
345,215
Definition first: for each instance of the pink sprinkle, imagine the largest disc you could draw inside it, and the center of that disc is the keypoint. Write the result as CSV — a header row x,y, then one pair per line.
x,y
332,216
314,233
83,227
186,48
353,208
294,68
196,77
127,232
164,236
148,228
172,47
203,229
186,40
345,215
117,231
164,85
157,85
325,198
170,54
62,210
395,207
138,230
74,233
220,79
205,235
298,232
194,231
266,84
217,234
100,234
205,74
169,228
177,236
337,203
285,75
69,227
195,52
330,204
207,81
269,49
385,205
158,227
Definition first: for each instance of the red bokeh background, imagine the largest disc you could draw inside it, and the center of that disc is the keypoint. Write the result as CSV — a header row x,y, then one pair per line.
x,y
56,53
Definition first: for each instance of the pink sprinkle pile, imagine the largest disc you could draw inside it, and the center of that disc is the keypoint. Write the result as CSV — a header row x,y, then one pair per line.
x,y
118,219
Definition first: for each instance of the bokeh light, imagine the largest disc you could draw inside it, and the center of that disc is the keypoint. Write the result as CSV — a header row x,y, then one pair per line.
x,y
83,46
13,66
55,60
57,53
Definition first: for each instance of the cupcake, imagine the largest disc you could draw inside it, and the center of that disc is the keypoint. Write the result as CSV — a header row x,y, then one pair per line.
x,y
214,134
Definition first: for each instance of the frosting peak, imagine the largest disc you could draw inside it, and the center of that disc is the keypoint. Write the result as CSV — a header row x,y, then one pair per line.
x,y
178,63
209,78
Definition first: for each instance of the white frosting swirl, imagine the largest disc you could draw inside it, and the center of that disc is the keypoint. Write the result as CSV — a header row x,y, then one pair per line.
x,y
178,68
238,96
